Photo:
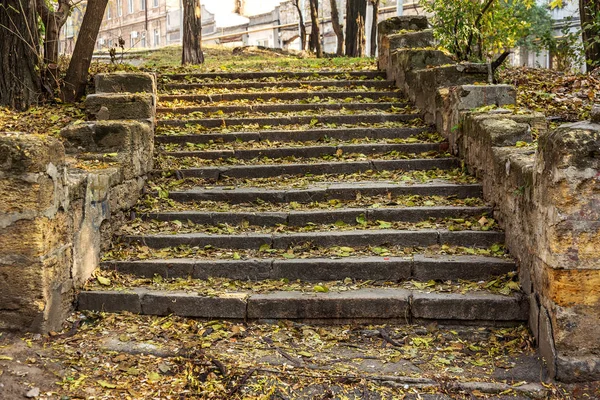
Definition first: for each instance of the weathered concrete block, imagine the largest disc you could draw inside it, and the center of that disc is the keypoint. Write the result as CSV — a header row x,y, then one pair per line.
x,y
505,132
132,141
119,106
414,40
402,23
138,82
110,301
405,60
24,153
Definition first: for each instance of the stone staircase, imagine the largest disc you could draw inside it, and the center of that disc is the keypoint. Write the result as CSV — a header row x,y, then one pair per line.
x,y
310,196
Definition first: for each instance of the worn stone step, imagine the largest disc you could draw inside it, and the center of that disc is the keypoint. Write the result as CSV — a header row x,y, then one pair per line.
x,y
341,191
347,167
281,96
365,83
351,238
295,136
269,108
312,151
387,269
292,120
302,218
278,74
363,305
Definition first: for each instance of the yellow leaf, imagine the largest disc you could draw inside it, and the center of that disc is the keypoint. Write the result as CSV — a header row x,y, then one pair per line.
x,y
107,385
103,281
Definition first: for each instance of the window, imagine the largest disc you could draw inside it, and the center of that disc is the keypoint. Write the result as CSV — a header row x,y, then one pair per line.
x,y
108,14
130,6
134,36
120,8
143,5
143,39
156,38
155,3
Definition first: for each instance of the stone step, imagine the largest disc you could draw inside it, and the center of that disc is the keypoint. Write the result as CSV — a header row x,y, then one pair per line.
x,y
292,120
282,74
350,238
282,96
303,218
294,136
340,191
386,269
312,151
269,108
365,83
375,305
321,168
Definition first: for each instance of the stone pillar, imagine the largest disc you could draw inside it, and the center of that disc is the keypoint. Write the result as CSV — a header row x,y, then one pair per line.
x,y
34,241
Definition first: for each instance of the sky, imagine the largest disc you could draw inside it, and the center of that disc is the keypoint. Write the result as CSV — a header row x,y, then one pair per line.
x,y
253,6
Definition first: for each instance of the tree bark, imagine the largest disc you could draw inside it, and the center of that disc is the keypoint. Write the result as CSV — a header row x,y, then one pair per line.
x,y
337,28
192,33
355,27
77,73
19,41
588,9
315,34
375,4
302,26
53,21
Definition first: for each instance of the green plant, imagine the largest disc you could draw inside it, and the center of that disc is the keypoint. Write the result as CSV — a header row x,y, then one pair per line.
x,y
476,30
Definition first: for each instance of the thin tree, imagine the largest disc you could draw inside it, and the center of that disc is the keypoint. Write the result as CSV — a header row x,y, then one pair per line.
x,y
77,73
296,4
19,62
337,28
53,20
192,33
355,27
589,11
315,34
375,5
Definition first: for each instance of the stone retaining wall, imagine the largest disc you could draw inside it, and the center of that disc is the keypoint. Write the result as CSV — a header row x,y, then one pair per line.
x,y
546,197
60,199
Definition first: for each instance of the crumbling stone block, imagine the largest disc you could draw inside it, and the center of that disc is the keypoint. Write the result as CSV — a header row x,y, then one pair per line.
x,y
117,106
595,114
125,82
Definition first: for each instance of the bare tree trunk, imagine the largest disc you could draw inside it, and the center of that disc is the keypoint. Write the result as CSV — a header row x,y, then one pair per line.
x,y
588,11
19,61
77,73
53,22
375,4
302,27
337,28
192,33
315,34
355,18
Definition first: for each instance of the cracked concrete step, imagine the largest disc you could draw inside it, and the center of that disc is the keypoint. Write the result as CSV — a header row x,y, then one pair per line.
x,y
363,305
321,168
340,191
285,96
268,108
388,269
303,218
312,151
282,74
352,119
296,136
364,83
351,238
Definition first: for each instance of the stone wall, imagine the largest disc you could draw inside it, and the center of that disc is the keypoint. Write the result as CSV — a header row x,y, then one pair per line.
x,y
546,193
60,197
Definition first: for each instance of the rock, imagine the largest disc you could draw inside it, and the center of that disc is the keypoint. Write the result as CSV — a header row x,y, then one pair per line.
x,y
33,393
595,114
